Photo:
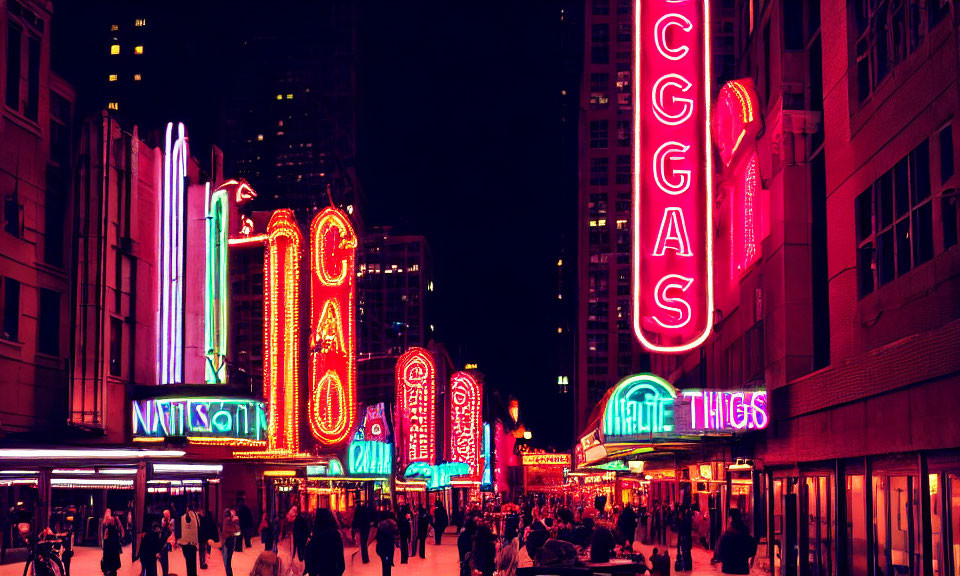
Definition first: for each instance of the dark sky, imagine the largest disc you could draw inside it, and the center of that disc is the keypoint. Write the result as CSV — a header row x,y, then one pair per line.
x,y
460,139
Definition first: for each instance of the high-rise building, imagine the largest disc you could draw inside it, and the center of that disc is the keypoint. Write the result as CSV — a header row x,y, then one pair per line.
x,y
289,122
395,289
35,189
606,348
128,59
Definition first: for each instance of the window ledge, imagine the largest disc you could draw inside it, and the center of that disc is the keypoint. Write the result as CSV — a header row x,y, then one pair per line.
x,y
58,271
10,348
22,121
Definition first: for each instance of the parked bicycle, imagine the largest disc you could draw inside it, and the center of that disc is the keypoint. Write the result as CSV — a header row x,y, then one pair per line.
x,y
44,558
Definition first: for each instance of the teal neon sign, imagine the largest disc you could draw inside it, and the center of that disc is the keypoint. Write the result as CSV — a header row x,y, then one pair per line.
x,y
330,469
641,404
211,420
437,476
370,458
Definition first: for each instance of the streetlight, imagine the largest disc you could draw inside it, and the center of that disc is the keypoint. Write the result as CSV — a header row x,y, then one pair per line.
x,y
527,435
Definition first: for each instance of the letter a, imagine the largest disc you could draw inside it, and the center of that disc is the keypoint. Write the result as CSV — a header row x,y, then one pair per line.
x,y
329,332
676,234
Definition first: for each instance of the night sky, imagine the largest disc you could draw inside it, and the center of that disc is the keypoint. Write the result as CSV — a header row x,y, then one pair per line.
x,y
460,139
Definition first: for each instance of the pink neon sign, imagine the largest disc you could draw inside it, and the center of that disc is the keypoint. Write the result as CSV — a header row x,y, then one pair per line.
x,y
727,410
672,250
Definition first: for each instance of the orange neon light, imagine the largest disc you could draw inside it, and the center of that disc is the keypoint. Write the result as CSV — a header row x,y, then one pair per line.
x,y
333,365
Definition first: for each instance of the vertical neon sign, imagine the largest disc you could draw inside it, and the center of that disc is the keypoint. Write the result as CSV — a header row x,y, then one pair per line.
x,y
416,403
333,340
281,334
465,427
672,247
172,214
216,302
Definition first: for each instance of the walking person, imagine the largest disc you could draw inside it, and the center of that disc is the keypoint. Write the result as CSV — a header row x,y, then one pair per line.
x,y
190,539
150,546
362,518
627,524
483,554
267,530
301,532
167,540
209,533
325,549
387,534
423,527
465,539
736,547
229,532
404,524
286,548
246,522
112,531
440,521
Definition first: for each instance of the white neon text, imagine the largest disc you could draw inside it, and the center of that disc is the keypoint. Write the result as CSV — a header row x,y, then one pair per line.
x,y
672,151
660,35
661,86
676,234
684,312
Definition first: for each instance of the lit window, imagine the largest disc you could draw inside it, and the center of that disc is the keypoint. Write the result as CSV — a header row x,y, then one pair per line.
x,y
430,286
559,330
279,96
112,78
139,22
114,49
560,262
259,137
114,27
137,78
113,106
289,96
138,49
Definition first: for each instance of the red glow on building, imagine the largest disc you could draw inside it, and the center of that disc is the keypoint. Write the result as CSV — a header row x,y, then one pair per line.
x,y
333,336
672,250
466,408
416,402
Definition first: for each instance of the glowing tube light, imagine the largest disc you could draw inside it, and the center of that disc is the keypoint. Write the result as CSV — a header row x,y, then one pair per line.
x,y
216,301
188,468
466,407
333,340
91,454
416,406
172,215
90,483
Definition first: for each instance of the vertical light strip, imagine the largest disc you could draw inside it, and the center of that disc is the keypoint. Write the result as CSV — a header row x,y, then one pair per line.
x,y
216,303
172,214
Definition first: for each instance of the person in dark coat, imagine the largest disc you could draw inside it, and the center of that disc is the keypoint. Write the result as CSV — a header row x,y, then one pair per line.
x,y
465,539
602,543
112,536
660,563
150,546
404,524
208,532
324,551
736,547
483,554
362,518
246,523
628,525
423,526
387,534
301,532
440,521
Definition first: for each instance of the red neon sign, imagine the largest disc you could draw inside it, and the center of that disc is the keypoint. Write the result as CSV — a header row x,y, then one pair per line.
x,y
333,339
465,426
672,248
416,403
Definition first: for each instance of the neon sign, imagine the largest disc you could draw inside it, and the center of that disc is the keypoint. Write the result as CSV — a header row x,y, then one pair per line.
x,y
640,405
437,476
672,251
333,339
545,459
201,420
331,468
416,401
465,426
370,458
727,410
486,479
172,214
216,301
736,123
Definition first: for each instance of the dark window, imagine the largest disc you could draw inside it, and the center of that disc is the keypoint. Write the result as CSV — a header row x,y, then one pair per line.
x,y
598,171
767,51
48,340
116,346
600,44
623,169
624,32
598,133
601,7
820,274
792,25
11,310
14,37
946,153
948,209
888,31
11,214
60,112
624,136
54,207
624,6
33,78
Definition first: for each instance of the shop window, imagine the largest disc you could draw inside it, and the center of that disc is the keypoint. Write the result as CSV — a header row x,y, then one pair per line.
x,y
935,527
897,546
953,501
856,526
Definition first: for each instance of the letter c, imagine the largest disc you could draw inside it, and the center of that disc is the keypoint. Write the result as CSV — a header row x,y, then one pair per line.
x,y
660,35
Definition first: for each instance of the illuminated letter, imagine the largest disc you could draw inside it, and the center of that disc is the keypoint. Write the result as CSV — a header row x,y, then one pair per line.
x,y
760,418
676,232
682,314
672,151
686,109
660,35
416,406
333,365
172,214
738,411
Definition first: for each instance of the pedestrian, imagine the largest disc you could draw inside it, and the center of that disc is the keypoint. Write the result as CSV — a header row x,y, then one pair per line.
x,y
112,531
325,548
465,539
190,539
286,548
246,521
627,524
387,534
423,526
736,547
660,563
440,521
167,540
209,533
301,532
404,523
508,558
362,518
267,529
483,554
150,545
229,532
602,544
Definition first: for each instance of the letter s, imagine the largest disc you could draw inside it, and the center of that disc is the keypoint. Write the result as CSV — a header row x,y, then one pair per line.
x,y
680,313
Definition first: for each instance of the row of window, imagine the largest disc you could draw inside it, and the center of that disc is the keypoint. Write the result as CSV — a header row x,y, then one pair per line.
x,y
115,49
48,316
600,167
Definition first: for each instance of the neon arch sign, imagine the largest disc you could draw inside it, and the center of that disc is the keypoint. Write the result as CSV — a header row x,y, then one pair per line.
x,y
641,404
672,187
